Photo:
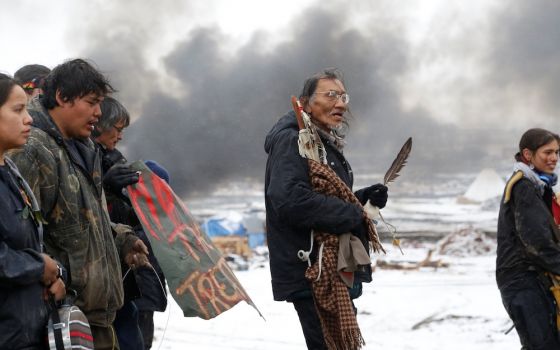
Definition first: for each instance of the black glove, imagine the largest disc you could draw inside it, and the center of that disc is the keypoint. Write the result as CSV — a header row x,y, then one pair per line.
x,y
377,195
118,177
111,158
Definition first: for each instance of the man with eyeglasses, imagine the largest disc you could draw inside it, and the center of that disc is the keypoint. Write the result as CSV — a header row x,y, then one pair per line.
x,y
107,133
114,119
294,209
116,176
143,295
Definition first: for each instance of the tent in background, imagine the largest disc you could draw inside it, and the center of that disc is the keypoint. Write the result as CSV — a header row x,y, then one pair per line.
x,y
487,185
223,226
254,222
249,225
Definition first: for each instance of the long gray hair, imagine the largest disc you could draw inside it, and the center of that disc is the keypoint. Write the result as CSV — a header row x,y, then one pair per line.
x,y
112,112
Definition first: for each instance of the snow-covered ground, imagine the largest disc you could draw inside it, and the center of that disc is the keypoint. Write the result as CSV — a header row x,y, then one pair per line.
x,y
438,215
458,307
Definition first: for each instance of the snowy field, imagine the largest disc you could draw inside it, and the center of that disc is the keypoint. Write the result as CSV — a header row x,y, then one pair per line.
x,y
455,307
458,307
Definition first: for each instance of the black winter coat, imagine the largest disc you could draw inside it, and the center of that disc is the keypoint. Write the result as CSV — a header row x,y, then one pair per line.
x,y
293,209
23,312
526,241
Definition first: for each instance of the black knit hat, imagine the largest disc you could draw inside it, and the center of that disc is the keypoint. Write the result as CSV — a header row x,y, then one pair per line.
x,y
158,169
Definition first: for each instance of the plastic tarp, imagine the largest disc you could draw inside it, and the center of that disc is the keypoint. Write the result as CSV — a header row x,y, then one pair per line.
x,y
223,227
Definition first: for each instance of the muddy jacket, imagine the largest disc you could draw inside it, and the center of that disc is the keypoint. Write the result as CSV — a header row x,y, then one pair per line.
x,y
23,313
67,183
293,209
526,241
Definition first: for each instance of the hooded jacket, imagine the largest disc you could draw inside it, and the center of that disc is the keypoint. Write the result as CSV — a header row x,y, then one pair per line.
x,y
293,209
526,239
23,311
67,183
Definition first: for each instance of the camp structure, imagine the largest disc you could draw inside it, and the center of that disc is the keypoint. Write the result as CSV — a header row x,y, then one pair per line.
x,y
228,234
487,185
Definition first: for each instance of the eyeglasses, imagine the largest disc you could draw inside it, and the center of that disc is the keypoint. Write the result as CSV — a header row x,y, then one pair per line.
x,y
119,130
332,95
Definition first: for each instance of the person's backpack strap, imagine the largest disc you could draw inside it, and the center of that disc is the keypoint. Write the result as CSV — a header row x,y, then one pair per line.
x,y
56,324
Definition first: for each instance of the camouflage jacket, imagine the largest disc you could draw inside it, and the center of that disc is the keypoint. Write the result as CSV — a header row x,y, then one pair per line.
x,y
78,232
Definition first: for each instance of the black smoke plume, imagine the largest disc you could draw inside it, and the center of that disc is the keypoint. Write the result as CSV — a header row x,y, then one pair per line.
x,y
215,131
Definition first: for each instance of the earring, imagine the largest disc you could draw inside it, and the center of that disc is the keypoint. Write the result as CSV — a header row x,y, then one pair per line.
x,y
531,166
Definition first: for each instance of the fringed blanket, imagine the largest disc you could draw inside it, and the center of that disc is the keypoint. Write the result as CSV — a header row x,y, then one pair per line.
x,y
332,300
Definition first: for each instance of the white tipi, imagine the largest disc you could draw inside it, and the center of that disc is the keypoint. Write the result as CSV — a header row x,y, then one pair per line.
x,y
487,185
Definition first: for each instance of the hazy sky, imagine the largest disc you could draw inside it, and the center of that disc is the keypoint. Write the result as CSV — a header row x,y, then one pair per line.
x,y
206,80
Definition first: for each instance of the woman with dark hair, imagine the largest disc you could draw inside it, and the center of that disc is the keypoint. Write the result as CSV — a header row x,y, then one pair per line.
x,y
528,237
26,274
294,209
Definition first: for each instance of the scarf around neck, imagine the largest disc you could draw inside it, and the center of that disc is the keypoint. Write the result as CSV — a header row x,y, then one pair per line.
x,y
539,179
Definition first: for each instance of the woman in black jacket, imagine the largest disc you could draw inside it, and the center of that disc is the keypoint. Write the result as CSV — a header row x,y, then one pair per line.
x,y
26,274
294,209
528,237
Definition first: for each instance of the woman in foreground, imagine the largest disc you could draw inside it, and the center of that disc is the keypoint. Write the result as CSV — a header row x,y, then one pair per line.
x,y
26,274
528,251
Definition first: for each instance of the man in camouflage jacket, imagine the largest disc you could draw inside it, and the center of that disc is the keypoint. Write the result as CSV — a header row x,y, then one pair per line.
x,y
63,168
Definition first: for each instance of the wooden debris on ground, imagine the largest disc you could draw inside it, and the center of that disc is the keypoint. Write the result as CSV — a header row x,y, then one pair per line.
x,y
233,244
411,265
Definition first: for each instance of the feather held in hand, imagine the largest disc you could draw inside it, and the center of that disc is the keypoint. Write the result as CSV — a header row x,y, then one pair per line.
x,y
399,162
